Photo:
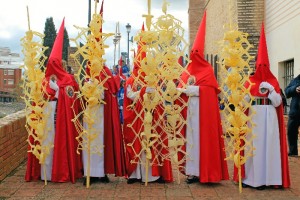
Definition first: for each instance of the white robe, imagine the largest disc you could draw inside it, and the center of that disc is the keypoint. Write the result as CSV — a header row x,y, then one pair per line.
x,y
96,160
50,112
140,172
264,168
192,132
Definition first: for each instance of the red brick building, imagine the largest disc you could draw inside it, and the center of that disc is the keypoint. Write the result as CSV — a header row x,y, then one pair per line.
x,y
10,76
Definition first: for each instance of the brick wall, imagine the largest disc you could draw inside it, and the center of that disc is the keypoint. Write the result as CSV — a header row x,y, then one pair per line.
x,y
247,14
13,145
250,16
196,8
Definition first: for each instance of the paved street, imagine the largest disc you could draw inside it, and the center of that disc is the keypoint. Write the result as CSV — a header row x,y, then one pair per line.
x,y
14,187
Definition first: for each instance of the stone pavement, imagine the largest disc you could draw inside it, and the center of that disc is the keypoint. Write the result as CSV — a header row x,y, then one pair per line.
x,y
14,187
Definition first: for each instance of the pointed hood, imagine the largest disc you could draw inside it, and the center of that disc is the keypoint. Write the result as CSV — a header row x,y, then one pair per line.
x,y
263,72
199,67
54,65
58,43
262,52
199,42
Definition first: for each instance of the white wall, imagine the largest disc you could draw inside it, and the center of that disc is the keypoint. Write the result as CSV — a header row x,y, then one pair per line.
x,y
282,26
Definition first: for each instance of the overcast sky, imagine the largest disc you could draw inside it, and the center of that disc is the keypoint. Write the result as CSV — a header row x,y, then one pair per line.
x,y
13,18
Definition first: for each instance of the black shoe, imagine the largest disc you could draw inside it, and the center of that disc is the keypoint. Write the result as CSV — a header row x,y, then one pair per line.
x,y
244,185
261,187
92,180
292,155
191,180
104,179
133,180
160,180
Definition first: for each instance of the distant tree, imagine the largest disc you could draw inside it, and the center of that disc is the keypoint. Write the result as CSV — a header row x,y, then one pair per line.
x,y
50,35
66,45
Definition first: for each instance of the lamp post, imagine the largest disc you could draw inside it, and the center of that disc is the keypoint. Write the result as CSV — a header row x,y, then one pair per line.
x,y
115,40
128,28
89,12
118,36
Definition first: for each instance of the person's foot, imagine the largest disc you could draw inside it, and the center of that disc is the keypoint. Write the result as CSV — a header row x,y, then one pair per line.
x,y
261,187
133,180
244,185
192,179
92,180
160,180
293,155
104,179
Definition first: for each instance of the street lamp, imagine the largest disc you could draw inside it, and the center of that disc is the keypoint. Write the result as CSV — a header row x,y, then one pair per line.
x,y
128,28
115,40
118,36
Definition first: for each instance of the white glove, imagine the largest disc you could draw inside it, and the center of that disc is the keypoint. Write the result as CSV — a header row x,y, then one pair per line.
x,y
53,85
150,90
266,85
192,90
180,89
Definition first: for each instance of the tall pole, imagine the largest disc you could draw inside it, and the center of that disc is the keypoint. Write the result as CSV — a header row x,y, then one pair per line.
x,y
115,40
128,49
119,39
90,12
128,28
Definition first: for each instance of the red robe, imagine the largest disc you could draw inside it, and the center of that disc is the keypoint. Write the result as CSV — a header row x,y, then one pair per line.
x,y
130,137
213,167
114,155
33,168
264,74
67,164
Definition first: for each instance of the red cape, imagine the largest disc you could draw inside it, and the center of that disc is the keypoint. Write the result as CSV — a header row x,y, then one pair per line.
x,y
213,167
33,168
67,164
114,155
282,129
130,137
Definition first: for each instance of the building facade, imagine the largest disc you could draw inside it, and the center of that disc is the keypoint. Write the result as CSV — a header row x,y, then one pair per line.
x,y
10,73
282,22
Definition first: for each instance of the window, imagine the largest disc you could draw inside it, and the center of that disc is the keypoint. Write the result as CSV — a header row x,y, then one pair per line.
x,y
10,72
288,76
4,81
5,72
10,82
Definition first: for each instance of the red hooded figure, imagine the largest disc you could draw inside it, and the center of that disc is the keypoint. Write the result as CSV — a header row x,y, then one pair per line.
x,y
63,163
205,145
269,165
133,126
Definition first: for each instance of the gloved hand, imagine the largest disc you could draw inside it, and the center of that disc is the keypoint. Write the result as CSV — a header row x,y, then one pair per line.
x,y
180,89
266,85
53,85
150,90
